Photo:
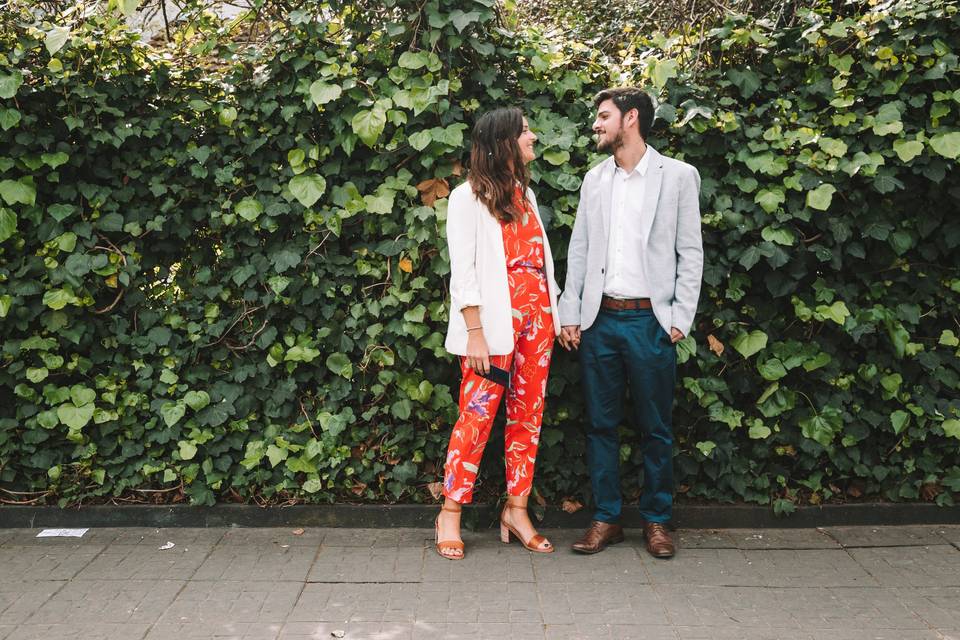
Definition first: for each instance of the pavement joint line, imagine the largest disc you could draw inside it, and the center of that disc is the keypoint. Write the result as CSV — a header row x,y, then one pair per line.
x,y
371,582
656,593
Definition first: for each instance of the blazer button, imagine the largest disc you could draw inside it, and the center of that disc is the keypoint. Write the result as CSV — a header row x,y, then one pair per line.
x,y
602,271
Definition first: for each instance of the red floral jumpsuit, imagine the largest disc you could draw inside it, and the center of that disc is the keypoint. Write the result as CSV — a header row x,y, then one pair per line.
x,y
528,365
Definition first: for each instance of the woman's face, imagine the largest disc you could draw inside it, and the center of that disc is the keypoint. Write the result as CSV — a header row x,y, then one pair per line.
x,y
526,140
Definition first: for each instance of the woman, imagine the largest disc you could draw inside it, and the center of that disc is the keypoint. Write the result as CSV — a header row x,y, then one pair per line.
x,y
503,313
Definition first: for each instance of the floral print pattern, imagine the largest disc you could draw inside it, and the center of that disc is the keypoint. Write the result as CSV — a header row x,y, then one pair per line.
x,y
528,364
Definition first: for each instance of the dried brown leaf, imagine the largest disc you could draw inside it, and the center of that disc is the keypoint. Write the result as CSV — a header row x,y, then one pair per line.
x,y
715,345
432,189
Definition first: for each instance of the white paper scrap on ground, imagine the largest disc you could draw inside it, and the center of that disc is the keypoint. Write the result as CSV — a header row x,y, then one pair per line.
x,y
62,533
169,545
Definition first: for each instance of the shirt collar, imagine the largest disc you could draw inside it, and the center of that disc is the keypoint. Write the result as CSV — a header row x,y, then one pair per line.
x,y
641,167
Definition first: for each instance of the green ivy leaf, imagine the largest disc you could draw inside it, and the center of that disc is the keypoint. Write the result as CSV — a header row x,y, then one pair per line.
x,y
837,312
770,199
228,116
821,197
187,450
369,124
249,209
706,447
340,364
900,420
556,157
907,150
323,92
833,146
947,338
171,412
13,192
758,430
421,139
9,118
73,416
749,343
197,400
413,60
307,189
8,223
780,236
276,455
9,84
818,428
946,144
772,369
661,71
56,38
81,395
59,298
951,428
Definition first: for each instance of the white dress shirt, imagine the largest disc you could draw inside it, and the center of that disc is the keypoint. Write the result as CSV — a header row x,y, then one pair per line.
x,y
624,275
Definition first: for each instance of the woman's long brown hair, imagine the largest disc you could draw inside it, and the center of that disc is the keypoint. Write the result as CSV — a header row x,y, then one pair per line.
x,y
496,165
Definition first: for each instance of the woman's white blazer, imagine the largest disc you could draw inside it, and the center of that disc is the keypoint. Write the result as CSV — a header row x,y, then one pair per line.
x,y
478,273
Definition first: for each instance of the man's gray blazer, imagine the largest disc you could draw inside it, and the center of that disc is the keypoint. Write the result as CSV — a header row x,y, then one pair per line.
x,y
672,254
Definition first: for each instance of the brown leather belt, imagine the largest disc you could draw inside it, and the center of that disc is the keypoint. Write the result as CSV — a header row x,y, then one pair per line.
x,y
618,304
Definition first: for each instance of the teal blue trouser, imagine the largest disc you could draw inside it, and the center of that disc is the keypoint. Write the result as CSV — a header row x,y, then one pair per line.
x,y
621,349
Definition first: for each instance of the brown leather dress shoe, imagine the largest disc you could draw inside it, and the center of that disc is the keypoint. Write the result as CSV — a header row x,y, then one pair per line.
x,y
598,536
659,543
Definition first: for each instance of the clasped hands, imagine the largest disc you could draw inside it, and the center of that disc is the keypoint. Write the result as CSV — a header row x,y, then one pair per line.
x,y
570,336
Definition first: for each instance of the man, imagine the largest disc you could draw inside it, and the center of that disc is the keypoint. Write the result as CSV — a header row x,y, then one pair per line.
x,y
633,279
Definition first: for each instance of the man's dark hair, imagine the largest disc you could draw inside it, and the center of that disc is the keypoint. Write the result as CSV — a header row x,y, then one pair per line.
x,y
626,98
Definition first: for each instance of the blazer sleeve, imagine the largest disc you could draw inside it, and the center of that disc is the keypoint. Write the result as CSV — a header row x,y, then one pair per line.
x,y
462,211
568,307
689,253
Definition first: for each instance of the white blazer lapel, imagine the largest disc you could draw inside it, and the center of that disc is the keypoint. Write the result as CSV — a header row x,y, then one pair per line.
x,y
652,192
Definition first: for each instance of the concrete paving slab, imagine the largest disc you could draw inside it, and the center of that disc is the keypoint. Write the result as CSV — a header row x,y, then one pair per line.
x,y
376,537
915,567
233,602
782,539
909,536
222,630
735,567
144,562
703,539
119,602
225,583
73,631
950,533
368,564
20,599
270,562
56,561
289,536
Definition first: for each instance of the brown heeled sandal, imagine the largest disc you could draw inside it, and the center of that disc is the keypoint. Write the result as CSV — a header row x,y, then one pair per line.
x,y
534,544
448,545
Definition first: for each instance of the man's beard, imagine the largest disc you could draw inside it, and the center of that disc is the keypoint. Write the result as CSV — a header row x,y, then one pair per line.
x,y
611,145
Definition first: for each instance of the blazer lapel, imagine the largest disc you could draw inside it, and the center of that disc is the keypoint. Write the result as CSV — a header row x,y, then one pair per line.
x,y
652,192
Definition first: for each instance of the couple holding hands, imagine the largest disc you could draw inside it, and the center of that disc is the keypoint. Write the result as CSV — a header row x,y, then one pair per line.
x,y
634,266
